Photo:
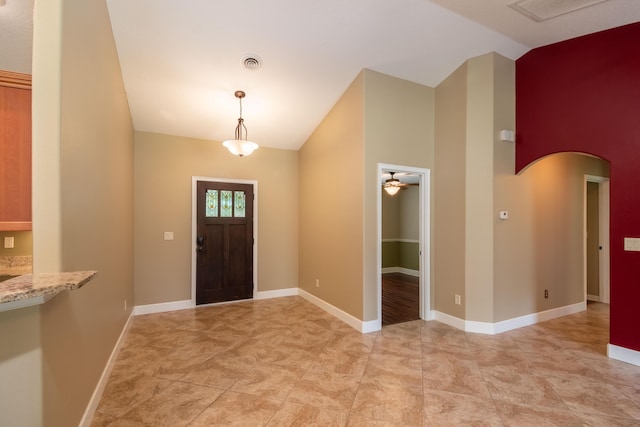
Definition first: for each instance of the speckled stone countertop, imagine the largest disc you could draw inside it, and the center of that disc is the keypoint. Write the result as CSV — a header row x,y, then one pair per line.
x,y
15,265
33,289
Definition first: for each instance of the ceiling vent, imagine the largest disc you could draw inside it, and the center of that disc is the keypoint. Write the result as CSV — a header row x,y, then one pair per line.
x,y
541,10
252,62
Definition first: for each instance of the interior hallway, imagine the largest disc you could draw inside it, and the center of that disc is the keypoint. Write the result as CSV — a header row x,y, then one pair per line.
x,y
285,362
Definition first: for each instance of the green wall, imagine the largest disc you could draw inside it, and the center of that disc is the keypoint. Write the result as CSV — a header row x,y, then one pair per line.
x,y
400,254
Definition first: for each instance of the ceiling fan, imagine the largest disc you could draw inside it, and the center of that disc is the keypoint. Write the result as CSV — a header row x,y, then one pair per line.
x,y
393,185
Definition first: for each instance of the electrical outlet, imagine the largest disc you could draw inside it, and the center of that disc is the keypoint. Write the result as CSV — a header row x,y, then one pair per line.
x,y
546,293
9,242
458,299
317,283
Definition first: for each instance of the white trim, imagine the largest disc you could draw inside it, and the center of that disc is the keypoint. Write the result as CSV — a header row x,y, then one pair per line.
x,y
194,227
90,411
509,324
408,272
424,220
448,319
595,298
400,240
277,293
370,326
542,316
162,307
623,354
605,255
355,323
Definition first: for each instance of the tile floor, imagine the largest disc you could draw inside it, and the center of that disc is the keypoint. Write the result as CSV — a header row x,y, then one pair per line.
x,y
285,362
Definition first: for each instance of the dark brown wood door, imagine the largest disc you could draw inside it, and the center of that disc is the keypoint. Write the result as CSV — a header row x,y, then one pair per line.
x,y
224,242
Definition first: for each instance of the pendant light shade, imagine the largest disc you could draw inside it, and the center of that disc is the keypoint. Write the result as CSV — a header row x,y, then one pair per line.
x,y
240,146
392,185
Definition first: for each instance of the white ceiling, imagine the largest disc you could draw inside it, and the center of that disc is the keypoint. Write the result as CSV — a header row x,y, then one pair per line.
x,y
181,61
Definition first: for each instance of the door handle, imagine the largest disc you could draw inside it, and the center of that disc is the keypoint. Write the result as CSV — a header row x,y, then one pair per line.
x,y
200,246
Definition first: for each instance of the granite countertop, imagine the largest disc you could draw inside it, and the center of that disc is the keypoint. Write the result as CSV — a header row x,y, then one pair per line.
x,y
31,289
15,265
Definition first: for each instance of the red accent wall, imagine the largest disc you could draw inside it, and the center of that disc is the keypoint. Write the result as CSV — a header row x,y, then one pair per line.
x,y
584,95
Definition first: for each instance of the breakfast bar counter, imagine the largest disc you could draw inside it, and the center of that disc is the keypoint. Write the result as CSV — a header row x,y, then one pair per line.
x,y
31,289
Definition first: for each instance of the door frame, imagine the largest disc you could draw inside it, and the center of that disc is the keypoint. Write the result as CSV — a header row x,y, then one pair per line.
x,y
424,221
194,231
603,230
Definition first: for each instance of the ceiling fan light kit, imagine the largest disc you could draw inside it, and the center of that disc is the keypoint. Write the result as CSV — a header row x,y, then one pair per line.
x,y
392,185
240,146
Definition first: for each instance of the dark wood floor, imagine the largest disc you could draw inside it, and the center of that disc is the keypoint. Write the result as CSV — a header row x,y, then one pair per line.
x,y
400,298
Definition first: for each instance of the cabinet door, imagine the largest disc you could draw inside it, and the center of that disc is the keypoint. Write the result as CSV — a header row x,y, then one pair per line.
x,y
15,158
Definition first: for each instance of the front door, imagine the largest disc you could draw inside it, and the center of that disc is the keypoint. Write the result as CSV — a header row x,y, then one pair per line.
x,y
224,242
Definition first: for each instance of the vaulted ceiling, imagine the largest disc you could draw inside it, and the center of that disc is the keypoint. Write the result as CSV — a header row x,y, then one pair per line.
x,y
183,61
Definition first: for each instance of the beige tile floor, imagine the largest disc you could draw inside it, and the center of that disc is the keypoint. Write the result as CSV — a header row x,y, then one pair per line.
x,y
285,362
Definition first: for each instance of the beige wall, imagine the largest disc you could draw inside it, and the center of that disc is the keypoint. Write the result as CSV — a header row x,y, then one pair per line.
x,y
400,214
399,129
20,368
501,267
449,195
390,216
23,243
541,246
401,229
331,182
164,167
481,134
80,328
379,119
54,354
409,213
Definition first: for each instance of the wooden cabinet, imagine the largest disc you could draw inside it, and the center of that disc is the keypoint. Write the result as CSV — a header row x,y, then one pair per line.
x,y
15,151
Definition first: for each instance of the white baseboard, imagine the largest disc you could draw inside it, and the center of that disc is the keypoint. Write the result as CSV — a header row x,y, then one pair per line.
x,y
355,323
509,324
450,320
408,272
370,326
181,305
278,293
595,298
104,378
162,307
623,354
532,319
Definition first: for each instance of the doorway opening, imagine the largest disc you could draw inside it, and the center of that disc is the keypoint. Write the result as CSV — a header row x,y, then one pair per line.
x,y
407,241
224,254
597,254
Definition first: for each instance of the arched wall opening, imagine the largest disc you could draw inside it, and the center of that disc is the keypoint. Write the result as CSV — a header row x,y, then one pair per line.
x,y
552,242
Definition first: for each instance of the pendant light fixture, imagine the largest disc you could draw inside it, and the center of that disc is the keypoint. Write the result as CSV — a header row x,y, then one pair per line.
x,y
240,146
392,185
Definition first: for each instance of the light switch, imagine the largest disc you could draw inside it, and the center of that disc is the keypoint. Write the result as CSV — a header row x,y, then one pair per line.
x,y
9,242
168,235
504,214
630,244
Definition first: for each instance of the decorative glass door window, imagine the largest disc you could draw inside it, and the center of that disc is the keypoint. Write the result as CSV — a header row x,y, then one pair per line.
x,y
211,203
240,204
225,203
